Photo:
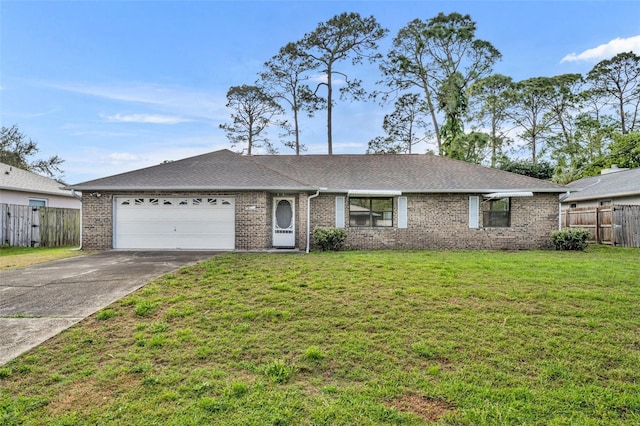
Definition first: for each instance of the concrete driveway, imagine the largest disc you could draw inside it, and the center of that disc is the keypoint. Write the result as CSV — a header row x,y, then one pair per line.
x,y
40,301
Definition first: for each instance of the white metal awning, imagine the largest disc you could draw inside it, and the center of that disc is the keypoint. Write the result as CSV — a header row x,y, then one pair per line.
x,y
507,194
374,192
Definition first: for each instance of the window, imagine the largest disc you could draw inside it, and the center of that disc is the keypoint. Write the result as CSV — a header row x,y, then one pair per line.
x,y
33,202
496,213
605,202
373,212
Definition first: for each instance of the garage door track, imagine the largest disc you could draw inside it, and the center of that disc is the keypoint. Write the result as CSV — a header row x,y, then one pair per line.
x,y
39,301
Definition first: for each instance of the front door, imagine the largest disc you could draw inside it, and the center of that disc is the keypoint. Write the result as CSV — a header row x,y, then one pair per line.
x,y
284,219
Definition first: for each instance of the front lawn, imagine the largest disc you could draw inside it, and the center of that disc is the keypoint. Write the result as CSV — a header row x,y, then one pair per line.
x,y
352,338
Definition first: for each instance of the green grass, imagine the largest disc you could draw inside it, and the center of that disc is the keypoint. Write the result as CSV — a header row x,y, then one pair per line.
x,y
18,257
366,338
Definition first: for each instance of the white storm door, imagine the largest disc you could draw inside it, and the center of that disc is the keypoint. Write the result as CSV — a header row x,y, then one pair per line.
x,y
284,219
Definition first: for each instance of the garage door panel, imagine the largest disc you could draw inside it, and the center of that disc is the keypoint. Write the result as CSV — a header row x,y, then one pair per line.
x,y
175,222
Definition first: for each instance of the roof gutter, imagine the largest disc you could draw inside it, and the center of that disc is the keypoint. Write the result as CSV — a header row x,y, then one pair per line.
x,y
508,194
373,192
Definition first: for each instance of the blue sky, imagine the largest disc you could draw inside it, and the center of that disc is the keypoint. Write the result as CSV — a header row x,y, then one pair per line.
x,y
112,86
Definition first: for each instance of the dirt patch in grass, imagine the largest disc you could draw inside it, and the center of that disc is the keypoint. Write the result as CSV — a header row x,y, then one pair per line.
x,y
85,393
428,409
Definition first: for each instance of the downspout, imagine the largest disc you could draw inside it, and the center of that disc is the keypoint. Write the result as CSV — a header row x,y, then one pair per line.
x,y
309,218
78,197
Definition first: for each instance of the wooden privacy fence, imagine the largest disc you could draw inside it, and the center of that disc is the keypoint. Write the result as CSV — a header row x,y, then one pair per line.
x,y
28,226
617,225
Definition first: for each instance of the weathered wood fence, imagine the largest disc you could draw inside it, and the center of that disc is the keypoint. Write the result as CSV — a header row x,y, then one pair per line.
x,y
617,225
28,226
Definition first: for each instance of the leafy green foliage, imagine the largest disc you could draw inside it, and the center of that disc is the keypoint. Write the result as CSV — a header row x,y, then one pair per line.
x,y
570,239
625,150
441,58
540,170
327,238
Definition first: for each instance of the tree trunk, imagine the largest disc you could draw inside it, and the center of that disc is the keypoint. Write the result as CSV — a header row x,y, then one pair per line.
x,y
297,130
329,110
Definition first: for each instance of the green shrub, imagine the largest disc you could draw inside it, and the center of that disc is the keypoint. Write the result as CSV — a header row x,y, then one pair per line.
x,y
570,239
329,238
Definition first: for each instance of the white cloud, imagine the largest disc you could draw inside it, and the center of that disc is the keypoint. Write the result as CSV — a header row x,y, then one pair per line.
x,y
146,118
322,79
178,101
117,158
606,51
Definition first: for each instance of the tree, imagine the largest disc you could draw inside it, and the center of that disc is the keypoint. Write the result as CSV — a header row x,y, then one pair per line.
x,y
442,58
16,150
585,156
539,170
491,111
284,80
345,36
625,150
469,147
254,112
564,104
453,101
530,100
618,81
405,127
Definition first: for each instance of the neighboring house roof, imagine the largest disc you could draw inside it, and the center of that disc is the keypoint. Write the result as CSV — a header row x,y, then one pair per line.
x,y
618,184
15,179
226,170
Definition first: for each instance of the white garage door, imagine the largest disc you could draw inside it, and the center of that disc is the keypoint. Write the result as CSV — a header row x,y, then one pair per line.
x,y
175,223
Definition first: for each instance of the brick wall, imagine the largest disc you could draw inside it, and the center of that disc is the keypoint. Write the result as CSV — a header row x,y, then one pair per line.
x,y
434,221
442,221
253,225
97,225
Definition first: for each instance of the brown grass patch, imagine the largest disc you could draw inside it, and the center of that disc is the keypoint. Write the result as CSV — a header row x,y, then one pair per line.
x,y
85,393
428,409
12,261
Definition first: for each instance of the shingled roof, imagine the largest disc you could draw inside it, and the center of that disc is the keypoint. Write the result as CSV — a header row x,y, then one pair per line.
x,y
226,170
14,179
610,185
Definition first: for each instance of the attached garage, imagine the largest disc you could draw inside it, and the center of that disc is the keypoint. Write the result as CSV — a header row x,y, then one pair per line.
x,y
188,223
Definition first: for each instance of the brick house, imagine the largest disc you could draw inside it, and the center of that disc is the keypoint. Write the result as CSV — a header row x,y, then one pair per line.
x,y
226,201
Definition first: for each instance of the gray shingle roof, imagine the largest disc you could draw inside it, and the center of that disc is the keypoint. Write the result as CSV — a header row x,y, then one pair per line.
x,y
225,170
618,184
407,173
15,179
